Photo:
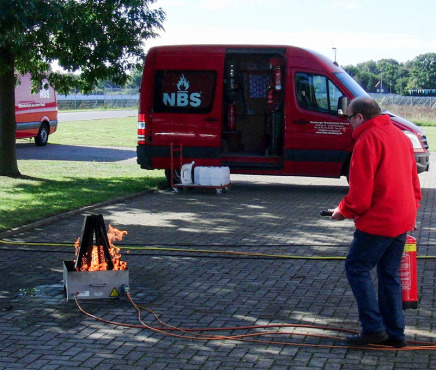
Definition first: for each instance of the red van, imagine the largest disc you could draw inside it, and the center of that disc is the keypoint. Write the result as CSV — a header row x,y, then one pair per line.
x,y
271,110
36,114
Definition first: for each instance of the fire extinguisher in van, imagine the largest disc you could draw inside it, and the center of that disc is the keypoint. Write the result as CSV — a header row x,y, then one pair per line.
x,y
278,78
409,275
276,66
231,93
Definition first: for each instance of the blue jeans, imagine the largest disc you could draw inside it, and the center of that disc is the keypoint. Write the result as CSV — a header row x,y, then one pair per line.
x,y
366,252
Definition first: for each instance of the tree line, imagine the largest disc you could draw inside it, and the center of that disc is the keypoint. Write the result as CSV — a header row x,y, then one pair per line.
x,y
415,77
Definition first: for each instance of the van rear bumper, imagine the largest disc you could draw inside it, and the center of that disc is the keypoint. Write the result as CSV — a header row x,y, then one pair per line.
x,y
143,157
146,154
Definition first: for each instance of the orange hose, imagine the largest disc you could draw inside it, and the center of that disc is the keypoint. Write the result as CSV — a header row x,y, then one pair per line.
x,y
187,333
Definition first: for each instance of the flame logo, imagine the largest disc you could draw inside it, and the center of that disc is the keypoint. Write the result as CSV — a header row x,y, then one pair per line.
x,y
183,84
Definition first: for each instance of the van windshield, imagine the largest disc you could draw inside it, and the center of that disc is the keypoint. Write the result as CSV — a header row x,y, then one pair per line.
x,y
351,84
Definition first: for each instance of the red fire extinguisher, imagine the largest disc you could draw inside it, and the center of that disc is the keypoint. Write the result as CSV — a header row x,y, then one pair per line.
x,y
276,66
408,274
278,77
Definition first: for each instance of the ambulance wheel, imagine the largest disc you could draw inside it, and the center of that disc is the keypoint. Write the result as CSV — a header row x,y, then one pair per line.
x,y
177,176
42,138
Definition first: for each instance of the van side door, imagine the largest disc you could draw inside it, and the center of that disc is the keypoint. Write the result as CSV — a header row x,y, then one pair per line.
x,y
318,141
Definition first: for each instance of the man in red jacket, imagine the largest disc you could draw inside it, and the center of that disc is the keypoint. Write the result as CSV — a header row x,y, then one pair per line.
x,y
383,200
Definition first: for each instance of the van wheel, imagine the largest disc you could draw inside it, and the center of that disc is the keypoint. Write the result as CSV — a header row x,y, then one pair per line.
x,y
42,138
177,176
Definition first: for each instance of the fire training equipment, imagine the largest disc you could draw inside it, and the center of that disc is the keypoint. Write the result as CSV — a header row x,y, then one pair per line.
x,y
408,274
93,284
81,283
94,225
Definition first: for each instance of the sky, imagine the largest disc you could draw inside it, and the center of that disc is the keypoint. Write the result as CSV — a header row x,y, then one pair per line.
x,y
354,30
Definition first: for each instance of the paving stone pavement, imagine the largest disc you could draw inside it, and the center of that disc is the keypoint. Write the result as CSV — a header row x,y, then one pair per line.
x,y
174,250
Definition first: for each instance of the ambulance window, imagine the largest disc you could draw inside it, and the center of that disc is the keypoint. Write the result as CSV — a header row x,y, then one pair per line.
x,y
316,93
184,91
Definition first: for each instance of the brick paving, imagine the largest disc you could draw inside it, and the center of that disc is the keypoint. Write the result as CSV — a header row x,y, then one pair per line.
x,y
172,251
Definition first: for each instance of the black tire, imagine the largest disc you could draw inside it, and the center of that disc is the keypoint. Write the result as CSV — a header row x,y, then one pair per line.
x,y
177,176
42,138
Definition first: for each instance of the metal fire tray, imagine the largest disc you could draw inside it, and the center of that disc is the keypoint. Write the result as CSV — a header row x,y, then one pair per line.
x,y
94,284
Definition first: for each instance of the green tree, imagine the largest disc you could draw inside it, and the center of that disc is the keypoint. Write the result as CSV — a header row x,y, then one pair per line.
x,y
98,39
365,74
423,72
389,70
136,77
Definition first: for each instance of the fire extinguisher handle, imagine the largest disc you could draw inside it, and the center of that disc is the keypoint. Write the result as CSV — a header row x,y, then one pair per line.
x,y
325,212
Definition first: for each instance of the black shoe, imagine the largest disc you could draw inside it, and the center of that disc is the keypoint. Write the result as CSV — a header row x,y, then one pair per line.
x,y
394,343
364,339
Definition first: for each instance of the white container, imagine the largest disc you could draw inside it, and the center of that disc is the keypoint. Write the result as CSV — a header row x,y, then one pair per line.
x,y
225,173
216,176
211,176
186,173
205,176
197,175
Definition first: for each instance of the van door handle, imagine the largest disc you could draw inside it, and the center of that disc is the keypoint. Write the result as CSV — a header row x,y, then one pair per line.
x,y
210,119
301,122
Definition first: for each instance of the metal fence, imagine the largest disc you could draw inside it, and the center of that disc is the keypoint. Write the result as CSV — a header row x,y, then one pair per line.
x,y
103,98
392,99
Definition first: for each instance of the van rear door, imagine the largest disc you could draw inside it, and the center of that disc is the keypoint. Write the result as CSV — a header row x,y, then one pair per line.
x,y
187,102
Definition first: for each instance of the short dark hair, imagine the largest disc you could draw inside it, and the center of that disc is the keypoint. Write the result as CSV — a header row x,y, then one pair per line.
x,y
366,106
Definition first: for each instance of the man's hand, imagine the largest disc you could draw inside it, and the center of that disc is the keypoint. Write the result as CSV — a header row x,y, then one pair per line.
x,y
337,215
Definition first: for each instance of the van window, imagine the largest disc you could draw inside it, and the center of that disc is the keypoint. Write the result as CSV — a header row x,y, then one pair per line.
x,y
184,91
316,93
351,84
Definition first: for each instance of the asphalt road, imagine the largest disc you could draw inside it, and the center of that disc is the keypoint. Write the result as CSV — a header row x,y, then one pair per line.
x,y
58,152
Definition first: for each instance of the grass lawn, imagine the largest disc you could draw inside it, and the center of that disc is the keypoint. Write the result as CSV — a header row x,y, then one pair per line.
x,y
120,131
50,187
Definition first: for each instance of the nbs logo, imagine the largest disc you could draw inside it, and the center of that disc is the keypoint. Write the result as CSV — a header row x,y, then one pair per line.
x,y
182,98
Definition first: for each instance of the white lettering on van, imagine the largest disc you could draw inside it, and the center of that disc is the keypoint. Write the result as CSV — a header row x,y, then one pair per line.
x,y
44,93
182,98
329,128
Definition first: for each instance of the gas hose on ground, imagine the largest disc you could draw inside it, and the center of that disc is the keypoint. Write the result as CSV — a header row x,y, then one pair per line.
x,y
197,333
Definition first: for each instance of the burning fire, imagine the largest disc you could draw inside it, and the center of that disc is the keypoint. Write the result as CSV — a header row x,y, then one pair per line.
x,y
98,261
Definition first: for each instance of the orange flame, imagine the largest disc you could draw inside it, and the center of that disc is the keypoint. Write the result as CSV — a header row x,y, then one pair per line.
x,y
98,262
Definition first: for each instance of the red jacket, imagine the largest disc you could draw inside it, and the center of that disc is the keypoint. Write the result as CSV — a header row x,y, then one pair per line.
x,y
384,192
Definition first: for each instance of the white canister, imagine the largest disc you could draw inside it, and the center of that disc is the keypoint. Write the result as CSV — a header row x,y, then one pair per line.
x,y
216,176
205,176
